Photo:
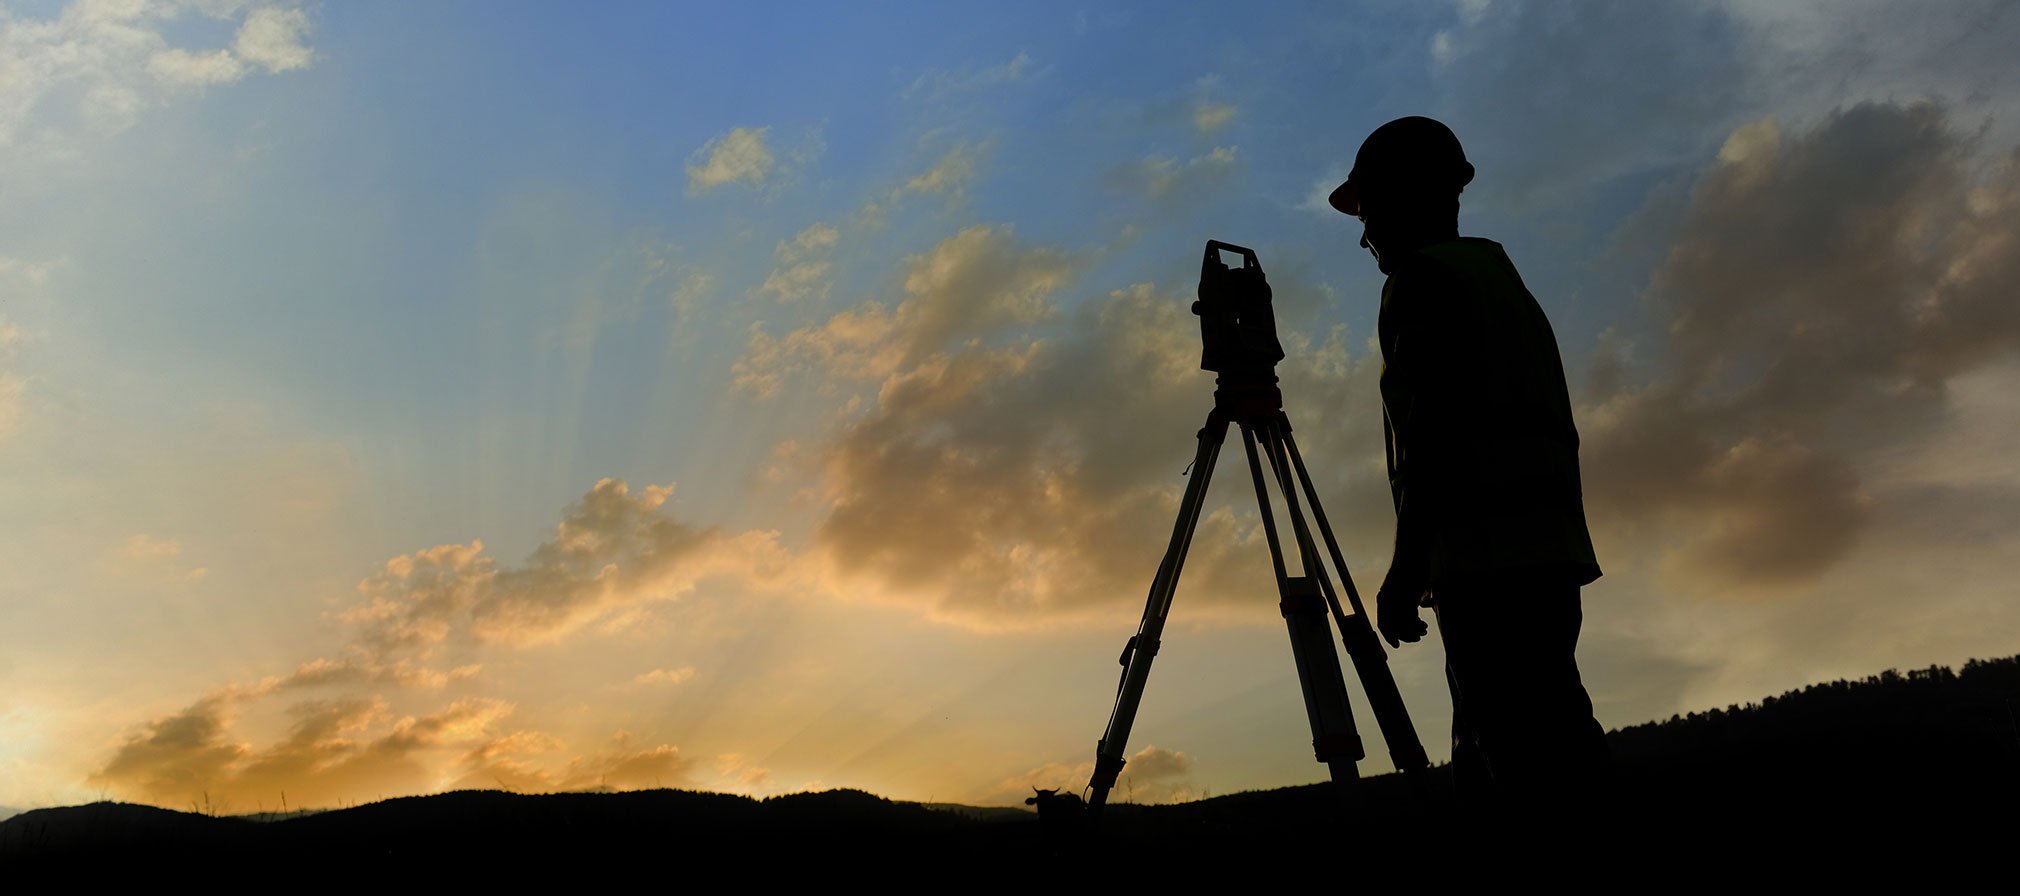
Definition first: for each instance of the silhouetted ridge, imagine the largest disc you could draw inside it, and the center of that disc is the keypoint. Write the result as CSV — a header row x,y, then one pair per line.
x,y
827,805
1931,740
108,827
1915,764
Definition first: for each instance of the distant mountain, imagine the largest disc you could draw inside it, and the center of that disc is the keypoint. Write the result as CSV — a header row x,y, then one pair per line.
x,y
1921,769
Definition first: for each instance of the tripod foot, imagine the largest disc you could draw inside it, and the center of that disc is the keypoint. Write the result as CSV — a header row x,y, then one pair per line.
x,y
1345,773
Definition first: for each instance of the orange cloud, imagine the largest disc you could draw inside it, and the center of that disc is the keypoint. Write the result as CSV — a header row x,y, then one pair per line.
x,y
997,478
612,551
1821,293
971,285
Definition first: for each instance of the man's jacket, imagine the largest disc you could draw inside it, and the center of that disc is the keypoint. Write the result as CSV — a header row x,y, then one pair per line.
x,y
1483,455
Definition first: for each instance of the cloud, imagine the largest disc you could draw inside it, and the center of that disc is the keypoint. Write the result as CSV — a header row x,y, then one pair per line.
x,y
502,763
177,756
1153,763
420,598
976,281
736,773
99,64
938,85
148,547
853,343
950,175
184,68
1209,117
801,265
739,156
969,286
331,752
1014,466
1441,49
147,557
271,38
1544,123
687,296
626,767
614,550
342,749
1822,293
1814,57
335,750
1016,485
1153,775
362,668
1649,89
1163,178
12,387
816,237
623,764
663,677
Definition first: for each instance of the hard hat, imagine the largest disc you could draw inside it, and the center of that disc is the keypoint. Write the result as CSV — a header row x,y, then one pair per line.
x,y
1416,153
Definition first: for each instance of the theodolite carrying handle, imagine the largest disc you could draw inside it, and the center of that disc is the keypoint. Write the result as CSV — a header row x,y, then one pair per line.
x,y
1215,247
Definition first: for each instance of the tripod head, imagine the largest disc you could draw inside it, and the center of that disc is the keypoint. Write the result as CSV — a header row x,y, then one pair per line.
x,y
1237,329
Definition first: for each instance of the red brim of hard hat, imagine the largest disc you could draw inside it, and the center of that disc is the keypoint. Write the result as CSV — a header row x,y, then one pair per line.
x,y
1347,198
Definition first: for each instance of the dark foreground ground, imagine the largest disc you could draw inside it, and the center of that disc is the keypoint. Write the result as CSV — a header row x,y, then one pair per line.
x,y
1897,777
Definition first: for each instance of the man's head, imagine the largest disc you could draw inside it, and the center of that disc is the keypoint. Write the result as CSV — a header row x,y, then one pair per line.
x,y
1405,186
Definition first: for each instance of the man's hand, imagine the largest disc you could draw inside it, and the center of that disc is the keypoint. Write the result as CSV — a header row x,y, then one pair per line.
x,y
1396,614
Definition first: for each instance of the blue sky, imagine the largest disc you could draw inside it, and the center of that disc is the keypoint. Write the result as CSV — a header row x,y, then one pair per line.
x,y
319,318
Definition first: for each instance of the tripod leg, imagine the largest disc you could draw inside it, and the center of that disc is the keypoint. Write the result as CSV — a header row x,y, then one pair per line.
x,y
1371,662
1142,647
1335,741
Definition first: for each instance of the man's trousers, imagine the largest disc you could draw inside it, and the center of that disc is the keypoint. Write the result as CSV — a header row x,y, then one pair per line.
x,y
1523,732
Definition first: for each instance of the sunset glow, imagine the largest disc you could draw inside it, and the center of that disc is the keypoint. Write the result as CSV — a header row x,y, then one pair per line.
x,y
407,397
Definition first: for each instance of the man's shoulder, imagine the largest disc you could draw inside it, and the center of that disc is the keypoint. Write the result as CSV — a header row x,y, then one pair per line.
x,y
1468,266
1452,256
1441,268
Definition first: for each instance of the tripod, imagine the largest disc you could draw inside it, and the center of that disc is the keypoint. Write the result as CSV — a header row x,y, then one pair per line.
x,y
1248,396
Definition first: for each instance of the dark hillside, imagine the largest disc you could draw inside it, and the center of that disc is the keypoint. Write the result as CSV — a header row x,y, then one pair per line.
x,y
1892,769
1931,741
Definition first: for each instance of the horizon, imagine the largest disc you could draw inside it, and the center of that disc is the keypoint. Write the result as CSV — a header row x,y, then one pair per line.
x,y
397,398
1927,675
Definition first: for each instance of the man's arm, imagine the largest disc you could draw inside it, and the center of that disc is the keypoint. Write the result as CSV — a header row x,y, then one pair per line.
x,y
1426,351
1409,565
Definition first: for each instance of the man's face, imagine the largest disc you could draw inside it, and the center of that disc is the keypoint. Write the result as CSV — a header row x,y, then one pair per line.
x,y
1371,232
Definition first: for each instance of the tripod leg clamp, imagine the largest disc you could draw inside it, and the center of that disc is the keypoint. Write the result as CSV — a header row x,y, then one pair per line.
x,y
1107,767
1148,645
1336,747
1300,594
1359,639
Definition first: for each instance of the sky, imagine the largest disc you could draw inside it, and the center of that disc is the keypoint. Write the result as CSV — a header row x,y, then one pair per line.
x,y
766,397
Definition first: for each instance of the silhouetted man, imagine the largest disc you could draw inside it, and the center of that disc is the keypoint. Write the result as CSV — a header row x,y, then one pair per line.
x,y
1483,466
